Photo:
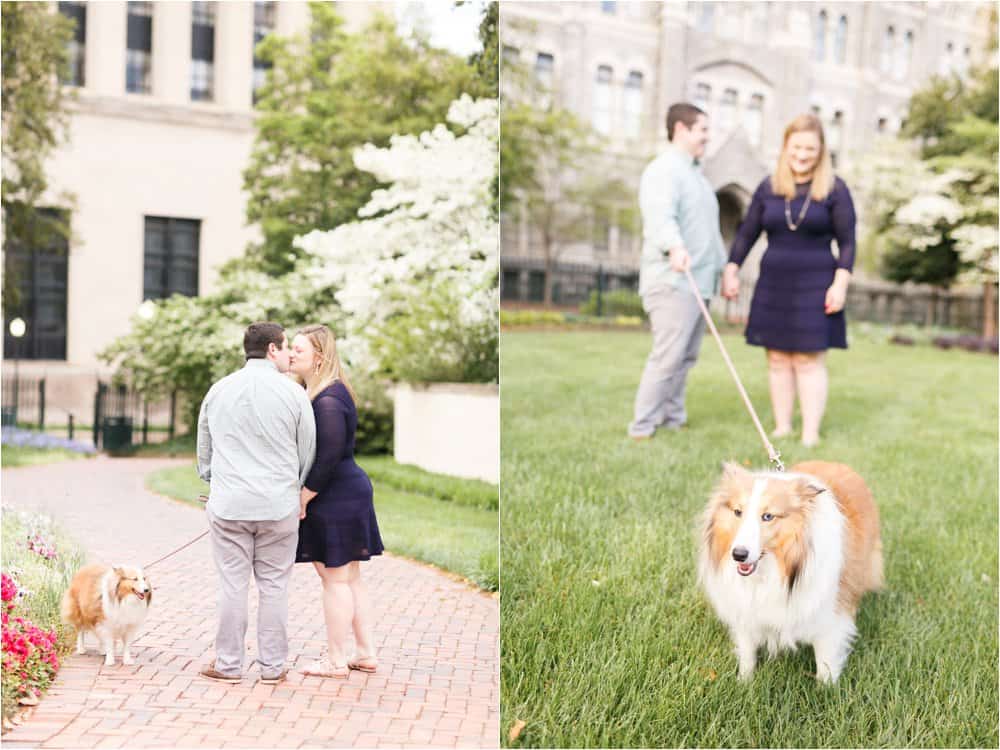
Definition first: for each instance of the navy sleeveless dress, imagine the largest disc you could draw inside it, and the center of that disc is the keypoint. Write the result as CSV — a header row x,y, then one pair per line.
x,y
340,524
787,310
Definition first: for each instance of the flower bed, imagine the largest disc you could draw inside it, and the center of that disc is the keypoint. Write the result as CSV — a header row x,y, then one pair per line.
x,y
37,565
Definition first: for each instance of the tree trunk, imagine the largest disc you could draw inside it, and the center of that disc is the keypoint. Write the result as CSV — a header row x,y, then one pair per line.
x,y
989,310
549,263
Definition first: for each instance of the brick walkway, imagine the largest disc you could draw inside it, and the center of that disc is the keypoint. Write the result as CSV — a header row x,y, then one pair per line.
x,y
437,684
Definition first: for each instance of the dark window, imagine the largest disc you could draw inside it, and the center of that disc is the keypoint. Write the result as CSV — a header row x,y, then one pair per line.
x,y
77,45
536,286
139,52
39,276
202,51
608,6
510,284
171,257
510,54
263,24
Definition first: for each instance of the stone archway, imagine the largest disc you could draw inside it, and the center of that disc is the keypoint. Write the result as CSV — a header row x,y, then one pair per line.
x,y
733,202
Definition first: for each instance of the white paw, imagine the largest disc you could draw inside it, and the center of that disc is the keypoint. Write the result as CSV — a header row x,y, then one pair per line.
x,y
109,661
126,660
80,650
745,673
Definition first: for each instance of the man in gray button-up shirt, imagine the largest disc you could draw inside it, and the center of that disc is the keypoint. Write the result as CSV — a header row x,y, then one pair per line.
x,y
680,228
256,444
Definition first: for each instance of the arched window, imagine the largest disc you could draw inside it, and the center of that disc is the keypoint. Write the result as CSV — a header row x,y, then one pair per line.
x,y
702,96
904,54
888,45
727,111
602,100
819,37
545,78
840,42
633,105
753,120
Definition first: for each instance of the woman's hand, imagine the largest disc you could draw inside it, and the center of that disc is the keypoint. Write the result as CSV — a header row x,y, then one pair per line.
x,y
836,295
305,496
730,281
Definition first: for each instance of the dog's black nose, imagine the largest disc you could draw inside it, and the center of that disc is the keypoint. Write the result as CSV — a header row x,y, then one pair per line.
x,y
740,554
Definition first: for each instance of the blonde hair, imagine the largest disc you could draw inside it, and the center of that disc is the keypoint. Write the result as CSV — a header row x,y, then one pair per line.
x,y
783,180
329,368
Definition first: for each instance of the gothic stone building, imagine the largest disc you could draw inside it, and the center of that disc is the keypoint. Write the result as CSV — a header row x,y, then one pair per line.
x,y
752,66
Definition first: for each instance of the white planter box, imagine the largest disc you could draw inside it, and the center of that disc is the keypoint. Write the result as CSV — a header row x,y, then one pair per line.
x,y
449,428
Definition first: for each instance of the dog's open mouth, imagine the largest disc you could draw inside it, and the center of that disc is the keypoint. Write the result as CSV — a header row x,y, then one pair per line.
x,y
139,594
745,569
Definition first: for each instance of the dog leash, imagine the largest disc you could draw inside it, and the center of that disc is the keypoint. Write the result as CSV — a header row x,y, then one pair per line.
x,y
771,452
203,499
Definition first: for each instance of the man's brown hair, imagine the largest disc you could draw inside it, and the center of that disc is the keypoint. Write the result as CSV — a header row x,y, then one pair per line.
x,y
258,336
682,112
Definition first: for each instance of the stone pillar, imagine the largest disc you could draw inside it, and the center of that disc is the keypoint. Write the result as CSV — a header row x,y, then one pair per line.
x,y
234,55
671,73
172,52
292,17
105,52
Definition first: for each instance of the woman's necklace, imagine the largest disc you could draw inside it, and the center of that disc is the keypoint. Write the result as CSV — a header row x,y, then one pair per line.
x,y
802,213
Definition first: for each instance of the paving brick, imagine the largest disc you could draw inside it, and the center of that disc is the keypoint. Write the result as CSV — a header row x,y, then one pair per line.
x,y
437,683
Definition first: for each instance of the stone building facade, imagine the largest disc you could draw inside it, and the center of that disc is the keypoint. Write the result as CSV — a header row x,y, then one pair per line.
x,y
752,66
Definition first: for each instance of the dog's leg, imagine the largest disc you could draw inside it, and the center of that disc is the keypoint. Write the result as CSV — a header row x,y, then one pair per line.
x,y
108,644
773,643
80,647
746,652
127,639
832,648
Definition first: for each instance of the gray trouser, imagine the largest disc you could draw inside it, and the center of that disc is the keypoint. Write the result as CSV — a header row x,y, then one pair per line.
x,y
678,326
267,549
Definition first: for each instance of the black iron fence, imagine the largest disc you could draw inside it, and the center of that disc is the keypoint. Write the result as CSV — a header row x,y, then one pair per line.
x,y
122,417
23,402
523,280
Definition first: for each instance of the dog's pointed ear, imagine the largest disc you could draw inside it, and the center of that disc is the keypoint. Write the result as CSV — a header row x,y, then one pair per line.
x,y
807,489
118,570
732,471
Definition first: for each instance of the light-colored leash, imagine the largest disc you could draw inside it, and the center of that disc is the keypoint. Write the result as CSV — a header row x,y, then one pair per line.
x,y
771,452
203,499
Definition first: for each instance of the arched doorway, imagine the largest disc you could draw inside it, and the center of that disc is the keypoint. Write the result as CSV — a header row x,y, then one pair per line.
x,y
733,202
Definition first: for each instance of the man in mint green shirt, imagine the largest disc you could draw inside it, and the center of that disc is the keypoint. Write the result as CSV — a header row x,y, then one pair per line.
x,y
680,228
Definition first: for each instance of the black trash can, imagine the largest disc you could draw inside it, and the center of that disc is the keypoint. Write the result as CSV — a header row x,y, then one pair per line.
x,y
8,416
116,433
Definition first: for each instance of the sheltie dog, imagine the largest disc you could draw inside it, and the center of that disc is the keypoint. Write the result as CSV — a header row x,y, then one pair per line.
x,y
111,602
786,557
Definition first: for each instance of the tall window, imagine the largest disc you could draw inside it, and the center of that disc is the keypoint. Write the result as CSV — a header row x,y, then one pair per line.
x,y
510,54
171,257
727,111
139,48
202,51
633,105
840,42
904,53
754,119
602,100
40,275
263,24
888,45
945,64
819,37
77,45
706,17
609,6
545,65
966,59
702,96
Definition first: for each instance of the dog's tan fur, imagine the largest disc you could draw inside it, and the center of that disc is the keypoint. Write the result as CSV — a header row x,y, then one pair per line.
x,y
110,602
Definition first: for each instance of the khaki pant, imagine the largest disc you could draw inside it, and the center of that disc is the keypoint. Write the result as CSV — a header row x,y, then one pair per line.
x,y
678,327
267,550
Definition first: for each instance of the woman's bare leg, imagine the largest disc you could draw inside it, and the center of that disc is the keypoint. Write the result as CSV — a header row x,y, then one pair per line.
x,y
781,376
811,377
338,610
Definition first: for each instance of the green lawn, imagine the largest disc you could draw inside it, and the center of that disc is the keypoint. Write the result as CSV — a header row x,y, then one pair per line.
x,y
607,641
457,533
17,455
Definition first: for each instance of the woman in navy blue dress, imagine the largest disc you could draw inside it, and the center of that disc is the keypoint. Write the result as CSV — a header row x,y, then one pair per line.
x,y
797,311
337,526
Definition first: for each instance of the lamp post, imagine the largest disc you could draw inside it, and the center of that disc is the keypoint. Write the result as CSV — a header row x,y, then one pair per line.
x,y
17,328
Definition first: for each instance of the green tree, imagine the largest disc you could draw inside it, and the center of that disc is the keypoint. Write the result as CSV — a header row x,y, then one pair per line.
x,y
487,60
326,95
555,172
35,121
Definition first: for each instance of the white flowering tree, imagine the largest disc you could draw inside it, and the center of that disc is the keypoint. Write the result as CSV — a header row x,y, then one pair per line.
x,y
416,277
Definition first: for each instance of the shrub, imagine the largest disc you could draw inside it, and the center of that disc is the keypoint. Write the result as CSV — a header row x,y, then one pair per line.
x,y
375,419
618,302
